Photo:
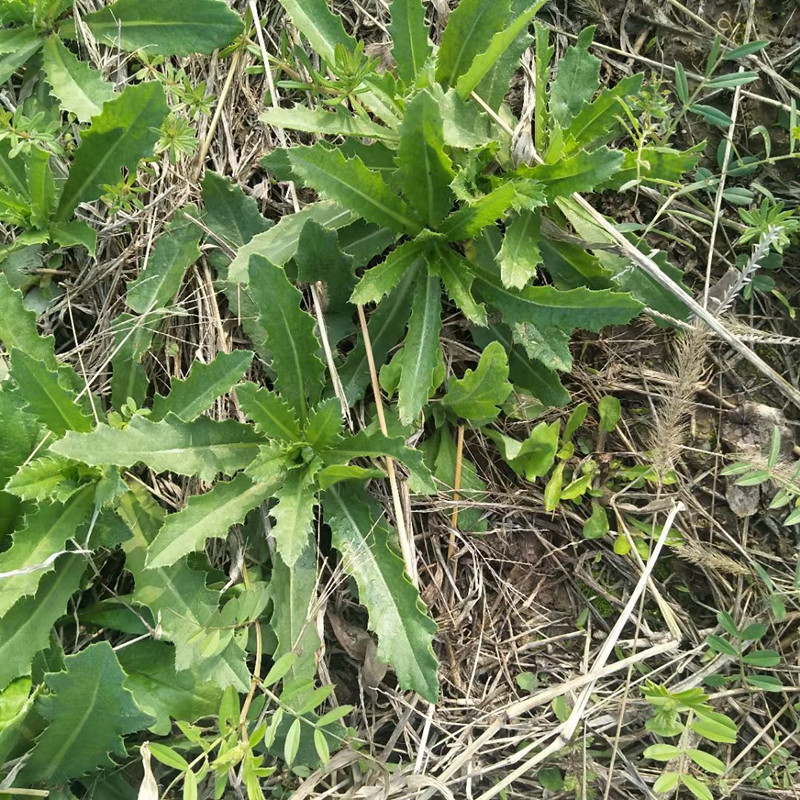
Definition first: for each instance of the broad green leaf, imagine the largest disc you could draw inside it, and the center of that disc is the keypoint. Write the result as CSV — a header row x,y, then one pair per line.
x,y
19,45
577,79
662,752
290,335
520,256
125,131
195,394
610,411
18,328
178,598
708,762
79,89
12,170
373,444
598,122
465,125
323,29
202,448
326,123
20,437
424,171
271,415
132,338
498,45
41,187
548,345
396,612
410,45
597,525
25,629
90,710
656,165
74,233
532,457
353,185
294,514
762,658
324,427
456,274
477,396
382,278
697,787
470,219
166,27
46,396
765,683
206,516
468,33
33,550
546,307
712,115
294,614
715,727
581,172
421,351
666,782
279,244
16,701
176,249
386,326
336,473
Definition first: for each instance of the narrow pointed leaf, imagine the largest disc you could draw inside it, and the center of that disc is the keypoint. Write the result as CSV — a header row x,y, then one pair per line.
x,y
500,42
326,123
46,397
206,516
201,448
382,278
271,415
396,612
175,251
323,29
41,187
581,172
468,33
125,131
477,396
77,87
166,27
195,394
46,478
290,335
352,185
421,351
89,709
456,274
409,32
25,629
471,219
424,171
46,533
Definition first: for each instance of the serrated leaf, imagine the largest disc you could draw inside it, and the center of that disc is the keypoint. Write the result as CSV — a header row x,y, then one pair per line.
x,y
548,345
471,219
543,55
324,427
323,29
577,79
79,89
581,172
294,514
382,278
20,45
477,396
294,610
326,123
498,45
468,33
90,710
456,275
351,184
424,171
176,249
396,612
290,335
46,397
271,415
125,131
520,257
18,328
166,27
373,444
132,338
33,549
190,397
421,351
45,478
202,448
410,45
279,244
25,629
206,516
546,307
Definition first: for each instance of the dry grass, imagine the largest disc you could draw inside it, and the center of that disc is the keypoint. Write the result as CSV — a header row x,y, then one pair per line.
x,y
513,605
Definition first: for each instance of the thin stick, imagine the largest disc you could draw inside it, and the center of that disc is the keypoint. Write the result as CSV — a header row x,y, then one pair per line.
x,y
406,542
456,486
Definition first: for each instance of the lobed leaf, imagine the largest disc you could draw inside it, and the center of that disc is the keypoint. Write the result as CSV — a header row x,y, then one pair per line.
x,y
384,277
477,396
577,79
520,257
294,514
